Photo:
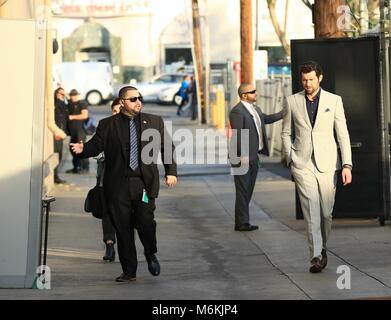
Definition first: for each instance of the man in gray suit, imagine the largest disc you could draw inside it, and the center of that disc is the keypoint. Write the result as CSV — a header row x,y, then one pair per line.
x,y
246,119
310,119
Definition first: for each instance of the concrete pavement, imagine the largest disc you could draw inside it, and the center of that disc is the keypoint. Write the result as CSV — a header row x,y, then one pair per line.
x,y
201,256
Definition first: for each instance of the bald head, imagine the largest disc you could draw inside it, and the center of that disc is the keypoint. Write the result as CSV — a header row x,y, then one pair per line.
x,y
247,92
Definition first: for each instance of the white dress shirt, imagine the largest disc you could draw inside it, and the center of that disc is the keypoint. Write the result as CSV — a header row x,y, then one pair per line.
x,y
257,121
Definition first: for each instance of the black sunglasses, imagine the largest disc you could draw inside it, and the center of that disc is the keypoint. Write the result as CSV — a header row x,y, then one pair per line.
x,y
134,99
252,92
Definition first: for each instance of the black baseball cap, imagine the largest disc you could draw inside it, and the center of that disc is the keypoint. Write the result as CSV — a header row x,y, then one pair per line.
x,y
74,92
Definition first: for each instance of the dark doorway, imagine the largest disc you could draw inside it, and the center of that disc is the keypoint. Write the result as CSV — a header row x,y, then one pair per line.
x,y
178,54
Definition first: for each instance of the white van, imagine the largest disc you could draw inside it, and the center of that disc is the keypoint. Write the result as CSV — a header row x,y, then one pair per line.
x,y
94,80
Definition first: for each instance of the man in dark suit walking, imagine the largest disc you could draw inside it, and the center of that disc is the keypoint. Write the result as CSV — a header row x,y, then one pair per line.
x,y
131,178
248,141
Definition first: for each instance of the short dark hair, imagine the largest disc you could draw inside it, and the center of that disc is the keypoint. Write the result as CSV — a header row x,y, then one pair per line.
x,y
123,91
58,90
310,66
115,102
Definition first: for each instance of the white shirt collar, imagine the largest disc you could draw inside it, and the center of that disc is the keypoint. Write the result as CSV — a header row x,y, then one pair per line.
x,y
248,106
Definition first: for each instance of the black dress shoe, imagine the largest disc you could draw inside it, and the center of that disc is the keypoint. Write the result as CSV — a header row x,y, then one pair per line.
x,y
246,227
153,264
124,277
110,252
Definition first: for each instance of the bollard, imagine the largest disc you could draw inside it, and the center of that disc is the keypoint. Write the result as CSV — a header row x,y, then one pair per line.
x,y
220,117
40,281
46,205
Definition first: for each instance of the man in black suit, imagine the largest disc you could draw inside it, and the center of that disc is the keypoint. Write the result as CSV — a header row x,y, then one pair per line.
x,y
61,115
248,141
131,177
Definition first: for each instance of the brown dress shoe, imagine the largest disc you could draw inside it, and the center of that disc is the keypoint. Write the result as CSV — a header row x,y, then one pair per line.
x,y
323,262
316,266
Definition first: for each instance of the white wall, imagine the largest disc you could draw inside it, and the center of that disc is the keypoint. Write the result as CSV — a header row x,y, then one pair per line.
x,y
224,30
143,35
299,23
22,151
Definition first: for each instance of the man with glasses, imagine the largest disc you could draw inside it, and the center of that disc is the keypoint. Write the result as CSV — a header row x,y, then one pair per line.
x,y
61,118
131,177
248,124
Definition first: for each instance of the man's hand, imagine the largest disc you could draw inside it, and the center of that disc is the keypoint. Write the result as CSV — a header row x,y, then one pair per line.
x,y
244,160
77,147
346,176
58,138
170,181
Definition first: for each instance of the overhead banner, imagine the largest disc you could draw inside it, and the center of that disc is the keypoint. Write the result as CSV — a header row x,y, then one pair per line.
x,y
100,8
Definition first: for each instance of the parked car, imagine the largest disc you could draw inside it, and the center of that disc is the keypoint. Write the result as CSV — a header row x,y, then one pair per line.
x,y
94,80
160,89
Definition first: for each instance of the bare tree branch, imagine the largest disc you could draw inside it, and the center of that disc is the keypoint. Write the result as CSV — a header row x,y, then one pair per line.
x,y
307,3
2,2
280,33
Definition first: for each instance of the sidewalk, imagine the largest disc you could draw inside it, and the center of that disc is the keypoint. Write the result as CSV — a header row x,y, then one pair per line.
x,y
201,255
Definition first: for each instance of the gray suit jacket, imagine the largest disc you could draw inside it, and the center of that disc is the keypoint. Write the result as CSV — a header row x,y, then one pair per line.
x,y
300,140
241,118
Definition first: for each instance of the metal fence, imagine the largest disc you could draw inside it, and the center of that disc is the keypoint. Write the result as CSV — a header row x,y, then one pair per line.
x,y
271,93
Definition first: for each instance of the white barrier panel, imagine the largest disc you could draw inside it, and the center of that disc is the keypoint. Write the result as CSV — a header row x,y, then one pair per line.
x,y
21,131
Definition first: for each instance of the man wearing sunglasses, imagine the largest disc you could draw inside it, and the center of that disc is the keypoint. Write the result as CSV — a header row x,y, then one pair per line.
x,y
131,178
61,115
246,118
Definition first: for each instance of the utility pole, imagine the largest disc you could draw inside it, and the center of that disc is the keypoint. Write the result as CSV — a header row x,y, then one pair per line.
x,y
326,15
246,41
385,109
198,57
207,59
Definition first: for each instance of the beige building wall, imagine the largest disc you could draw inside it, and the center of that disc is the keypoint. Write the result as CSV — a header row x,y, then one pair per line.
x,y
21,9
63,28
33,9
224,30
134,32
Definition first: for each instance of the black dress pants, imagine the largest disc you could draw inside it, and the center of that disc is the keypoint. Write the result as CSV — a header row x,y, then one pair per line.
x,y
244,187
57,147
128,210
107,228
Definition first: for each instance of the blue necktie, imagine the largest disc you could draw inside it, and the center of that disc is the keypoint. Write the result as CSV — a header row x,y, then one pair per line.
x,y
133,159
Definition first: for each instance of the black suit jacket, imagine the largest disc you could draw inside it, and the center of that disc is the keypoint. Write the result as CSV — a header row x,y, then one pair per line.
x,y
241,118
108,138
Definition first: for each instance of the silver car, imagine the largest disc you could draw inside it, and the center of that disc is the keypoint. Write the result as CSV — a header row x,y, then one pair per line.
x,y
161,88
